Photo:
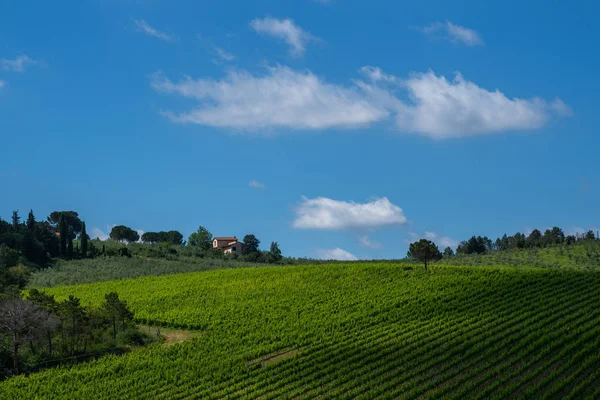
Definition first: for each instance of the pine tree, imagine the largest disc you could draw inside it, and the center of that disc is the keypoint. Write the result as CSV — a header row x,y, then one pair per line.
x,y
15,218
63,231
30,222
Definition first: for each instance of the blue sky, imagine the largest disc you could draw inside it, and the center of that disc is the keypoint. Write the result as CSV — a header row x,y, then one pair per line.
x,y
337,128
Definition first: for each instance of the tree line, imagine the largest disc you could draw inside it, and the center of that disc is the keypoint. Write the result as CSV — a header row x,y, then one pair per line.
x,y
426,251
42,331
29,245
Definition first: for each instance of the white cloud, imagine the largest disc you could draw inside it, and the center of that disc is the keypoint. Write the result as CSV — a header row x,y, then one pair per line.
x,y
286,30
224,55
324,213
18,64
454,33
140,232
441,241
2,83
424,103
365,241
282,98
336,254
144,27
98,233
441,108
254,184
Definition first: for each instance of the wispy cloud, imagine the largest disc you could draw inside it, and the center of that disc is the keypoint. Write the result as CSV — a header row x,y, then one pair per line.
x,y
365,241
336,254
144,27
454,33
423,103
578,231
324,213
18,64
254,184
2,84
441,241
286,30
224,55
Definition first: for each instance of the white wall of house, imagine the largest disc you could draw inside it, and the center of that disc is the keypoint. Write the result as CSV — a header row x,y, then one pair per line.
x,y
235,249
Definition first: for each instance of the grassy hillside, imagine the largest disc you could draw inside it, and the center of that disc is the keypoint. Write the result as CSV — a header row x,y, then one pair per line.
x,y
584,255
355,330
102,269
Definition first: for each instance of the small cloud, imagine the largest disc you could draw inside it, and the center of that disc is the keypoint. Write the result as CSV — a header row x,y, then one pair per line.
x,y
18,64
365,241
98,233
336,254
144,27
454,33
441,241
578,231
254,184
2,84
286,30
224,55
324,213
140,232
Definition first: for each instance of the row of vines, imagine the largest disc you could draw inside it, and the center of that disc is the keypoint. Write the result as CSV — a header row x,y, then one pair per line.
x,y
357,331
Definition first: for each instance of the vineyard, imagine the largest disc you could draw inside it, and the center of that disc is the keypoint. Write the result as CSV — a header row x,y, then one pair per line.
x,y
347,331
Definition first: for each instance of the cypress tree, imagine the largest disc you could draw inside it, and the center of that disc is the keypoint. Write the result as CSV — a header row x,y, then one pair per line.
x,y
84,241
63,231
70,242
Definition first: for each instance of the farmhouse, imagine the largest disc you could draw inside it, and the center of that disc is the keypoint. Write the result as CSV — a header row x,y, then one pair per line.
x,y
229,245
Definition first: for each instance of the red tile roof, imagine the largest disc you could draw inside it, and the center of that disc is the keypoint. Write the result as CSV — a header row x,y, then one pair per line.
x,y
225,238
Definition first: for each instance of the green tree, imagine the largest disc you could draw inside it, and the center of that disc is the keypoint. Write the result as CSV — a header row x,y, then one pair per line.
x,y
63,232
16,220
48,303
589,235
174,237
448,252
553,236
424,251
84,240
117,311
71,218
70,238
74,318
122,233
274,253
534,239
251,244
150,237
202,238
31,222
